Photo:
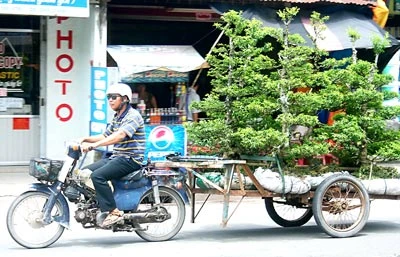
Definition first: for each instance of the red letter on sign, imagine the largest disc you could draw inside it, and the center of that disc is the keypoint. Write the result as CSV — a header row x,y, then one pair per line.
x,y
68,109
66,38
66,57
63,85
61,19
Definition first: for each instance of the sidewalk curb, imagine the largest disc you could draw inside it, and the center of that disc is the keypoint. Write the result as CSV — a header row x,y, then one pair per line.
x,y
14,169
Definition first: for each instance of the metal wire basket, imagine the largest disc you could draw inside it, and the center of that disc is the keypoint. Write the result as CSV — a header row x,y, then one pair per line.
x,y
45,169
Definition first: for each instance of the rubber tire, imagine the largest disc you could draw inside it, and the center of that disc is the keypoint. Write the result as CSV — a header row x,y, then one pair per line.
x,y
317,206
181,210
15,236
269,205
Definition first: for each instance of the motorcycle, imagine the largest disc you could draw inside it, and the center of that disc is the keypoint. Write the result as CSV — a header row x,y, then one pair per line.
x,y
152,200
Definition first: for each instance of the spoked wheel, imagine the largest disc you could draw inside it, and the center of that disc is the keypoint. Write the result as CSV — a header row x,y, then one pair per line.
x,y
172,215
24,221
286,214
341,206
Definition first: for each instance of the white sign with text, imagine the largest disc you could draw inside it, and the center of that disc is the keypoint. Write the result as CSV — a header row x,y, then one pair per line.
x,y
65,8
68,83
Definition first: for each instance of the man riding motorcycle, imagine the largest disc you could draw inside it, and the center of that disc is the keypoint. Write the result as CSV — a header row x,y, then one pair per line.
x,y
126,132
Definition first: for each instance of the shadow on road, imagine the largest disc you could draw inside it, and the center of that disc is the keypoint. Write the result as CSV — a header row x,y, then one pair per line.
x,y
212,234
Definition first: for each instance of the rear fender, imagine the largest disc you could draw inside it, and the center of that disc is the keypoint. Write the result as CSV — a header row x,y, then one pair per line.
x,y
64,218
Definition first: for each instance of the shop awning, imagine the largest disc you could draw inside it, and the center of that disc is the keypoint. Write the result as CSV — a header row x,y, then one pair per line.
x,y
336,38
140,63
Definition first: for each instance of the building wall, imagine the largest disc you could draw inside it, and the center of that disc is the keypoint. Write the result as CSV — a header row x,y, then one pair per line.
x,y
19,88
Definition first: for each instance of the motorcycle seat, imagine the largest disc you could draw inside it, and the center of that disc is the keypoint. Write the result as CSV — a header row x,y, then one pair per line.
x,y
134,175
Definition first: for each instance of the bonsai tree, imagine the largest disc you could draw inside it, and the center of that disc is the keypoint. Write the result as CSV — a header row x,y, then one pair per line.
x,y
266,82
252,106
239,110
360,135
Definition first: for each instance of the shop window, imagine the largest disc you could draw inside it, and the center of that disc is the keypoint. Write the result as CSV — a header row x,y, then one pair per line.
x,y
19,72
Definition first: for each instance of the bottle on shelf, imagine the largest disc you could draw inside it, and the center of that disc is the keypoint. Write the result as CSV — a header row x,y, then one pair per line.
x,y
162,116
175,115
152,116
147,116
166,116
141,107
157,120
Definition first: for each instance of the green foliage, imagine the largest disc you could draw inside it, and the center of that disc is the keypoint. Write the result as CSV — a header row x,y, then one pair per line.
x,y
306,150
365,172
251,141
255,102
213,134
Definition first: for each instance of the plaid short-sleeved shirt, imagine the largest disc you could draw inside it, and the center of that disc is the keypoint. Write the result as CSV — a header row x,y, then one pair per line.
x,y
133,145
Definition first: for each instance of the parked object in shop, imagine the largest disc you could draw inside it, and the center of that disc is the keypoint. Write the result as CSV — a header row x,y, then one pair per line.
x,y
152,201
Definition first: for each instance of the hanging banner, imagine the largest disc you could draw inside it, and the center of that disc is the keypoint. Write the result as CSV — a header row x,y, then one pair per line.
x,y
156,63
98,101
100,111
64,8
157,76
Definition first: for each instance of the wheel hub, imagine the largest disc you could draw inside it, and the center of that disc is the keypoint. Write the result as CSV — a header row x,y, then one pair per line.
x,y
339,206
35,219
161,215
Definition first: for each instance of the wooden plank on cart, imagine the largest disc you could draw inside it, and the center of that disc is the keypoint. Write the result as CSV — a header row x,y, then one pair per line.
x,y
213,164
229,167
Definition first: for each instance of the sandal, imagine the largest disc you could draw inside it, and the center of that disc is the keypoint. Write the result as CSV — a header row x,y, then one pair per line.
x,y
112,218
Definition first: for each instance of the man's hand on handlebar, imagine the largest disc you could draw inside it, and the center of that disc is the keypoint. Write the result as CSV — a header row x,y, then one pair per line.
x,y
86,147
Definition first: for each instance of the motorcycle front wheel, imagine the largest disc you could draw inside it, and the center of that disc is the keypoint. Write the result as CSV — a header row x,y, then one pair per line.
x,y
172,203
24,221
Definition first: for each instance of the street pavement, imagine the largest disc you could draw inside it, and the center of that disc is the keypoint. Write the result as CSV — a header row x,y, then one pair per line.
x,y
14,179
250,232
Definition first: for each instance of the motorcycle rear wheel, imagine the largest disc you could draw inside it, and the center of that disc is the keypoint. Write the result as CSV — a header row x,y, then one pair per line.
x,y
165,230
24,221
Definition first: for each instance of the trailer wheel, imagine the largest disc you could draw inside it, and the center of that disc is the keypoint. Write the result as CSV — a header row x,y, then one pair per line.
x,y
287,214
341,206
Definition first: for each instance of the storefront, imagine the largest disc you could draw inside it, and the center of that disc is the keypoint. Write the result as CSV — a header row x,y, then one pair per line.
x,y
165,69
41,76
45,80
19,94
45,100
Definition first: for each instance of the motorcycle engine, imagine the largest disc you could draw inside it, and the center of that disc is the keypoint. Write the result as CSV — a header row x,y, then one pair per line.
x,y
84,215
72,193
80,216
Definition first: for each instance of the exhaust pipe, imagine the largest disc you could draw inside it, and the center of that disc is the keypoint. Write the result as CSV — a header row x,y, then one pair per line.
x,y
147,217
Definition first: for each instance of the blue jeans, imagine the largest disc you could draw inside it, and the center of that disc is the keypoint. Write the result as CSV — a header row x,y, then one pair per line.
x,y
105,170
